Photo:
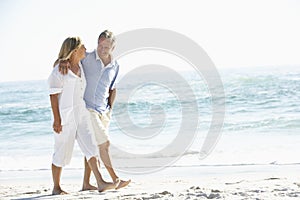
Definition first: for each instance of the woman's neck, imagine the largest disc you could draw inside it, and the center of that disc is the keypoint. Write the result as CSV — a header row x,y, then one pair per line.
x,y
74,62
75,67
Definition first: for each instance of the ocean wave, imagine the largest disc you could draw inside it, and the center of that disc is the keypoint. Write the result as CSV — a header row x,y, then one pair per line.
x,y
25,114
267,124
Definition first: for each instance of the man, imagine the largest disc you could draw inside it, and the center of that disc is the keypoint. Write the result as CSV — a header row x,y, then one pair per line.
x,y
101,71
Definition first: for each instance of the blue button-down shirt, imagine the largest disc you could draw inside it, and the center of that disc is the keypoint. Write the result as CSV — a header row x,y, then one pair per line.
x,y
99,81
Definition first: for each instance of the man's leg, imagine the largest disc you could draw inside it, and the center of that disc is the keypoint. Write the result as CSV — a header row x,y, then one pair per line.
x,y
85,140
105,157
86,178
56,173
100,124
102,185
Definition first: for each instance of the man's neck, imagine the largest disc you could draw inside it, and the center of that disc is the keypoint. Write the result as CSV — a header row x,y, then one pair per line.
x,y
106,60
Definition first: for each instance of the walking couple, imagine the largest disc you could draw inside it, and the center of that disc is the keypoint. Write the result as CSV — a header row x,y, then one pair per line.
x,y
82,92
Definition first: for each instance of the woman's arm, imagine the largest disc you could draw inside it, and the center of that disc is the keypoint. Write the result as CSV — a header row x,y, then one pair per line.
x,y
55,110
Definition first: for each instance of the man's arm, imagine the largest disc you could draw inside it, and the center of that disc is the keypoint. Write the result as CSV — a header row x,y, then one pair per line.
x,y
111,97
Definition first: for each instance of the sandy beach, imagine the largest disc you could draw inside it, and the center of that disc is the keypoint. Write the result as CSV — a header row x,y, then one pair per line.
x,y
193,182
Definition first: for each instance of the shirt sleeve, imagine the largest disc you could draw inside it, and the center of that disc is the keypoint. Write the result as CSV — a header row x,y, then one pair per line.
x,y
55,83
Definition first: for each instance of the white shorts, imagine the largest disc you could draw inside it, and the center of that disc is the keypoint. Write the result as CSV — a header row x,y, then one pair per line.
x,y
100,123
79,129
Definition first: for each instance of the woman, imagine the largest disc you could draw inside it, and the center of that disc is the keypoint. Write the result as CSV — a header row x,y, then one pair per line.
x,y
71,119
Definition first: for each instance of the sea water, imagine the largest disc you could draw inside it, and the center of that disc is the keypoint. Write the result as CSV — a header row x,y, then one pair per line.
x,y
261,122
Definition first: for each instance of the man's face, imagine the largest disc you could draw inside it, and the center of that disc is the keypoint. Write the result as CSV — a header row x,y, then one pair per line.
x,y
104,48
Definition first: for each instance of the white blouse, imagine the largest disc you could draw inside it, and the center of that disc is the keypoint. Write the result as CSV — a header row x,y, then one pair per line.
x,y
70,88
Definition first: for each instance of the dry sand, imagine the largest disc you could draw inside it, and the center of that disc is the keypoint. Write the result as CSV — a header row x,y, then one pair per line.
x,y
228,182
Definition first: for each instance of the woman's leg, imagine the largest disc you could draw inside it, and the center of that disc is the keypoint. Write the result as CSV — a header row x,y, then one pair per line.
x,y
56,173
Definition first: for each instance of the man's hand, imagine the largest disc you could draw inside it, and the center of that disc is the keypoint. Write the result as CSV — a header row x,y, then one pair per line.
x,y
64,66
112,97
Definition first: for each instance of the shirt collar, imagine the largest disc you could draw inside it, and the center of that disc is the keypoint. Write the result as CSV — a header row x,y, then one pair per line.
x,y
97,56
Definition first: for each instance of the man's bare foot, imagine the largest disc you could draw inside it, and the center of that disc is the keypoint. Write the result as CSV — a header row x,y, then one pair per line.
x,y
88,187
122,183
107,186
58,191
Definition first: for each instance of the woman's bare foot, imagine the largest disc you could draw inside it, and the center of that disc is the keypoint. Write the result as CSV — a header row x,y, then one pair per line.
x,y
58,191
122,183
88,187
107,186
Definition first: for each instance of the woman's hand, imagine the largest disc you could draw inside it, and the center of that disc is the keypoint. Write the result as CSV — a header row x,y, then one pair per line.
x,y
57,126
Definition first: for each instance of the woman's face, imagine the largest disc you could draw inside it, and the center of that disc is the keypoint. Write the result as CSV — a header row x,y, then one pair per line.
x,y
81,51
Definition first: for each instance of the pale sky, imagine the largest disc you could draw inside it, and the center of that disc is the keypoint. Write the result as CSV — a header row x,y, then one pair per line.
x,y
234,33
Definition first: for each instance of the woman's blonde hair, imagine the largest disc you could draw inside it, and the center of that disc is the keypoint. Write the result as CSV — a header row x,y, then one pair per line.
x,y
67,48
